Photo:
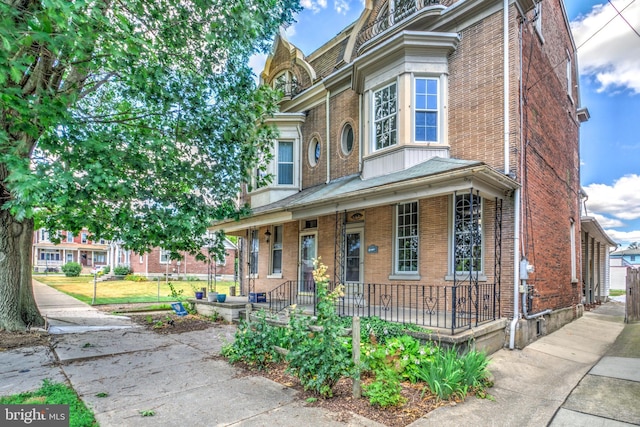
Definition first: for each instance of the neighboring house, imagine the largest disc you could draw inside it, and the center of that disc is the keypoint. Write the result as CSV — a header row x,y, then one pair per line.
x,y
423,152
48,256
157,263
597,276
619,261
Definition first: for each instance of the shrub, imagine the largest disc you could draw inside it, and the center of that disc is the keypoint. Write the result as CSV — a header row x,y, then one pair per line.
x,y
106,269
135,278
319,358
445,375
122,270
72,269
385,390
254,343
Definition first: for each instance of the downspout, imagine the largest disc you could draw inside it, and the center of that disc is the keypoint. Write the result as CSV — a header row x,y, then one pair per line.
x,y
516,262
328,122
516,196
360,127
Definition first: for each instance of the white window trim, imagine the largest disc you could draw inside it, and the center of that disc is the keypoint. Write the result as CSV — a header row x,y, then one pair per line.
x,y
293,164
84,238
70,237
537,16
439,110
572,237
569,77
251,252
166,255
373,114
404,275
272,274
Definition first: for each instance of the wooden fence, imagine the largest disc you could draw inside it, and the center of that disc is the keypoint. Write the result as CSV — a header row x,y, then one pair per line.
x,y
633,295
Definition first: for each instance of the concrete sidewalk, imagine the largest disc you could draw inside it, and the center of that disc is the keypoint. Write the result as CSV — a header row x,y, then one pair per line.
x,y
560,379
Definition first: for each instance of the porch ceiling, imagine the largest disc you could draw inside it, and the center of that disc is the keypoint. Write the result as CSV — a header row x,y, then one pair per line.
x,y
435,177
592,226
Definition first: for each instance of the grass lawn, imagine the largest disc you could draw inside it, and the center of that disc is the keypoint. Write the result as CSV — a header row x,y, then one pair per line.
x,y
56,394
124,291
616,292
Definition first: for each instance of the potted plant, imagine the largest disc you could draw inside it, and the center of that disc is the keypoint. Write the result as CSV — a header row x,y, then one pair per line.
x,y
198,292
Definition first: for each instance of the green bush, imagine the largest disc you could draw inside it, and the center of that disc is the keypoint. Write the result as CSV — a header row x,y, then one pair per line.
x,y
122,270
385,389
106,269
254,343
135,278
71,269
320,357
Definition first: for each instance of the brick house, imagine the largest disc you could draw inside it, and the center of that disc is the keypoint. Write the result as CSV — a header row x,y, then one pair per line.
x,y
50,256
157,263
424,153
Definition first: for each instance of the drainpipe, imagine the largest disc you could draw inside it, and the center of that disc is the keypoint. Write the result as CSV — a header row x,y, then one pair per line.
x,y
516,261
505,72
327,106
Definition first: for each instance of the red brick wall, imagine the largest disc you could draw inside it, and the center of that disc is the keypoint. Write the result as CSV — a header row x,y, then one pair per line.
x,y
188,266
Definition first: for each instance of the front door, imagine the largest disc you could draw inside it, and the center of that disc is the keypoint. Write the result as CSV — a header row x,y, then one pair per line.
x,y
308,251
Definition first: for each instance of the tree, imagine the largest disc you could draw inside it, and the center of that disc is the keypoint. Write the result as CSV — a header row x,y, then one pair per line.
x,y
137,119
634,245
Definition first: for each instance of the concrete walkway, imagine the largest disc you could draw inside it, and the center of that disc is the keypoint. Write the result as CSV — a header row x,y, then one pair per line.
x,y
560,380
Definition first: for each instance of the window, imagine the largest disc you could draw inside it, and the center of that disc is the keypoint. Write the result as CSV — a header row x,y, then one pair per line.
x,y
385,110
99,258
407,238
315,150
285,162
50,255
276,250
44,235
69,257
84,238
69,237
537,19
426,110
467,233
347,139
253,256
165,256
287,83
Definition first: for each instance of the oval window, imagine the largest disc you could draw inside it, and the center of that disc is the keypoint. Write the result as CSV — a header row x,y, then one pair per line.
x,y
315,151
347,139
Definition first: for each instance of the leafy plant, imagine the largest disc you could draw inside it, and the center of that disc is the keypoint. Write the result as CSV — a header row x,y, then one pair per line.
x,y
176,294
102,394
135,278
122,270
106,269
319,358
148,413
71,269
254,343
444,375
385,389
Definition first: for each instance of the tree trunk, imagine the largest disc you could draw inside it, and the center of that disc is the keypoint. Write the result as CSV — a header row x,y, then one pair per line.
x,y
28,308
17,304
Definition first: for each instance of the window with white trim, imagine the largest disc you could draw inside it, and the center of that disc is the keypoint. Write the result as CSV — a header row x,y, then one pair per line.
x,y
276,250
572,237
426,109
285,162
84,238
69,237
407,238
253,256
569,76
165,256
537,19
50,255
467,233
44,235
385,116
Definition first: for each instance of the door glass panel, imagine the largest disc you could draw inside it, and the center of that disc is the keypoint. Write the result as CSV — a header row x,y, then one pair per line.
x,y
307,255
353,258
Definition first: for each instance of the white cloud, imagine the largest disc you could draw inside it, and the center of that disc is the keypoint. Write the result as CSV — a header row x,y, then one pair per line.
x,y
613,54
256,62
624,238
341,6
620,200
314,5
606,222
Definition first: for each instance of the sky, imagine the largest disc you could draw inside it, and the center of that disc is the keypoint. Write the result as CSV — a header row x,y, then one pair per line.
x,y
609,62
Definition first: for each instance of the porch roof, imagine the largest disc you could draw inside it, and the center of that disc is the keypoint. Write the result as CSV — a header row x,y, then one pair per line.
x,y
434,177
592,226
72,246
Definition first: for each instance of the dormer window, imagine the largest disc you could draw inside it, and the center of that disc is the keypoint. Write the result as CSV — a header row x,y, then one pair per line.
x,y
287,83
